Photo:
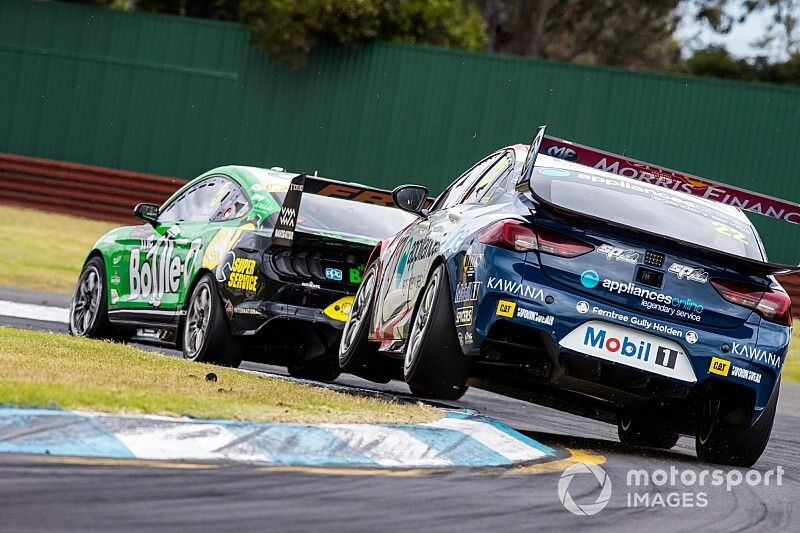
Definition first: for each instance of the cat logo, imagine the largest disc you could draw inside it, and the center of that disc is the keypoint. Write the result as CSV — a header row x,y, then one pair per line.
x,y
505,308
718,366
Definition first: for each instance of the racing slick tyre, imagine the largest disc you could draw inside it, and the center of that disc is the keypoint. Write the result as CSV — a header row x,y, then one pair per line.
x,y
206,335
88,309
635,431
723,443
356,355
434,366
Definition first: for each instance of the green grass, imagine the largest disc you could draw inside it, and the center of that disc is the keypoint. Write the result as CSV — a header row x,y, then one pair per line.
x,y
791,369
44,251
49,370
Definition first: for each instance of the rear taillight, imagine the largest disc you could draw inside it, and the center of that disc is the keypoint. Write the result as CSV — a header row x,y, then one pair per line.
x,y
515,235
773,305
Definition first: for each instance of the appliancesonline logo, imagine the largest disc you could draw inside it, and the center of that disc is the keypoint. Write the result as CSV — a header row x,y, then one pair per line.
x,y
651,299
590,279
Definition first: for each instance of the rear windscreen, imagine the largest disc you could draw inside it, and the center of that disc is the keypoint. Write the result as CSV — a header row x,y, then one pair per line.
x,y
348,218
647,208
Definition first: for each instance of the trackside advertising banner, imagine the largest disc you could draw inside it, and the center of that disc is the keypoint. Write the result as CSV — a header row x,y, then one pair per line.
x,y
672,179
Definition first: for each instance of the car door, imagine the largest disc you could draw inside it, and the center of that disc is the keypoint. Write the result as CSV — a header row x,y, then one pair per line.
x,y
158,261
421,242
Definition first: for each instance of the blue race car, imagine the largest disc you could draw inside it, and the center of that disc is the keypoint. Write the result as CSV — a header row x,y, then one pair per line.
x,y
594,293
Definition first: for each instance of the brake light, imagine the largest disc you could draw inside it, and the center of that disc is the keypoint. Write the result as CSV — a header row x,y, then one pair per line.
x,y
773,305
515,235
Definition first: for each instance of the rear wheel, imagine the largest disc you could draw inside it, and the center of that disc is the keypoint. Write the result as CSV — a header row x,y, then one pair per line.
x,y
88,309
721,442
206,335
434,366
357,355
635,431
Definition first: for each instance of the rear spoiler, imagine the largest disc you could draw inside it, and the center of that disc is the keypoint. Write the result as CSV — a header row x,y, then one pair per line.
x,y
283,234
620,165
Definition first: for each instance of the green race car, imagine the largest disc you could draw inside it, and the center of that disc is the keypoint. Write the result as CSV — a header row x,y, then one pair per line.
x,y
235,266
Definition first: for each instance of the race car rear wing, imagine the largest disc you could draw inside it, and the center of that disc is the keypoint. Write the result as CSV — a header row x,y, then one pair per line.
x,y
671,179
620,165
283,233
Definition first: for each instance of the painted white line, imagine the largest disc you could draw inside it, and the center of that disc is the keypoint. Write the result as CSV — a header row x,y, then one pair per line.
x,y
492,438
34,312
387,446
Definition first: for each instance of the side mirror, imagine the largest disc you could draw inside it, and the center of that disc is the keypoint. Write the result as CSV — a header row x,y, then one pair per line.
x,y
147,212
411,198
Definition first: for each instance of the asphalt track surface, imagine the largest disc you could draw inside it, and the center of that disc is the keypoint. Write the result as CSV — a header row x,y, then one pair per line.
x,y
42,492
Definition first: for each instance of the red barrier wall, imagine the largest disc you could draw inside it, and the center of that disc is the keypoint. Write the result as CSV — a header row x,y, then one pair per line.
x,y
82,190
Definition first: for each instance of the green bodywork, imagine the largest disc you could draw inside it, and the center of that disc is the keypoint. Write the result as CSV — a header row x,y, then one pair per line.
x,y
155,266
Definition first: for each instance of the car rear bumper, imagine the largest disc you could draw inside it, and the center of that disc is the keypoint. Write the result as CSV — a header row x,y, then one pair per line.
x,y
750,355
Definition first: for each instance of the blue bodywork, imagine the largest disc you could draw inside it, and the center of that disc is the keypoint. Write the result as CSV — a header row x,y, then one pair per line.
x,y
633,323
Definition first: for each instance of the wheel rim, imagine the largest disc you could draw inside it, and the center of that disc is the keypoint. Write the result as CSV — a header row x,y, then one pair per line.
x,y
421,321
197,318
358,311
85,302
625,423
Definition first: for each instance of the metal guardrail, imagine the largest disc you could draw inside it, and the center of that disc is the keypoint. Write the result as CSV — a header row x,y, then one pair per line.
x,y
76,189
110,194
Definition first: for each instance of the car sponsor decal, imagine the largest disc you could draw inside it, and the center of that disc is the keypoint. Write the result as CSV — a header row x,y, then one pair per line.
x,y
471,262
467,292
534,316
743,373
562,152
505,308
154,271
218,256
756,354
246,311
453,242
355,273
464,338
590,279
718,366
646,323
523,290
619,254
692,274
243,275
283,233
630,348
724,368
334,274
464,316
413,251
651,299
340,309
